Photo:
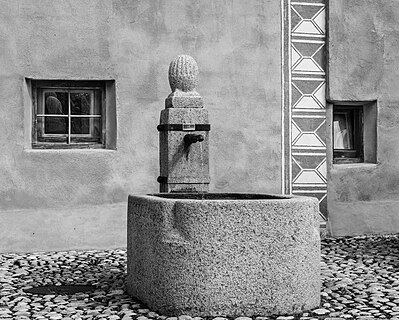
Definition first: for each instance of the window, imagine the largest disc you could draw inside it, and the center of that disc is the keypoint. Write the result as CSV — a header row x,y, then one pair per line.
x,y
69,114
353,131
348,134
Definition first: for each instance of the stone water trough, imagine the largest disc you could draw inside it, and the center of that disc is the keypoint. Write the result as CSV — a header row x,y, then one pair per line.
x,y
217,254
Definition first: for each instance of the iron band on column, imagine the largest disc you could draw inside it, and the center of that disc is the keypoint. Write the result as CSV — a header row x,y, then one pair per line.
x,y
183,127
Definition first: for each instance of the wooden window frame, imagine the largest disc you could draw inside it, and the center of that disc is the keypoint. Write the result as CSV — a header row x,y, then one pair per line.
x,y
69,140
356,154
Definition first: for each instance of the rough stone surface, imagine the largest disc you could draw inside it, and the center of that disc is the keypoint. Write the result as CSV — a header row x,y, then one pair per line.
x,y
177,100
224,257
183,79
359,281
183,74
186,166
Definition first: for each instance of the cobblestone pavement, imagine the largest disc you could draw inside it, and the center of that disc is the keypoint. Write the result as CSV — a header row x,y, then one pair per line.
x,y
360,281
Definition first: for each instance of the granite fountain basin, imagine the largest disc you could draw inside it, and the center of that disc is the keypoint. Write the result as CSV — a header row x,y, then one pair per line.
x,y
224,254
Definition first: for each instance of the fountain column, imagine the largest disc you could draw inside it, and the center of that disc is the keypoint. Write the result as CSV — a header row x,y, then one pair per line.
x,y
184,132
216,254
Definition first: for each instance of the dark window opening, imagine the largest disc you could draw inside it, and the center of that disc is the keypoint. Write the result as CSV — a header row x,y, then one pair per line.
x,y
348,134
68,114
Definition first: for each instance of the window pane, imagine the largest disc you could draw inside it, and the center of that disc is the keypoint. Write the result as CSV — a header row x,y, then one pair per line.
x,y
343,130
81,102
53,125
86,126
56,102
97,102
86,102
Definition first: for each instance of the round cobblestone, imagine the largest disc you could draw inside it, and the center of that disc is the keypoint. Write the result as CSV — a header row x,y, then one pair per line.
x,y
359,274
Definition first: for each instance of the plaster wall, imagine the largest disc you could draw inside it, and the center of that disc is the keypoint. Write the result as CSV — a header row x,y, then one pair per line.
x,y
363,65
47,197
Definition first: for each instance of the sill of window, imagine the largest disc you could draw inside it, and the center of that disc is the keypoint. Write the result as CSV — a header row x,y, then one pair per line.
x,y
69,150
360,165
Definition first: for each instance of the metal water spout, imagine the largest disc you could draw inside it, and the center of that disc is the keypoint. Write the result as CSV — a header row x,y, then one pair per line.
x,y
193,138
184,163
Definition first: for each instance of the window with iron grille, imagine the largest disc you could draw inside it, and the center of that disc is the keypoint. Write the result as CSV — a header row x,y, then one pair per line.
x,y
68,114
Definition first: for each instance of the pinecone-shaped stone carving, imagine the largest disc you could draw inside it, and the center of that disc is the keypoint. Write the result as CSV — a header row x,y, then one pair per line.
x,y
183,73
183,79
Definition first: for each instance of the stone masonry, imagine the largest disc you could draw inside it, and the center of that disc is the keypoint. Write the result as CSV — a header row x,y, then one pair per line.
x,y
184,166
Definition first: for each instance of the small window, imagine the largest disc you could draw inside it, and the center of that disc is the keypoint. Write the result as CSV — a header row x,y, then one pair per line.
x,y
348,134
68,114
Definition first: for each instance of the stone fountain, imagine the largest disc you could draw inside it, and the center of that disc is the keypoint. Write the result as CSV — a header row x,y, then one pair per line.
x,y
216,254
184,132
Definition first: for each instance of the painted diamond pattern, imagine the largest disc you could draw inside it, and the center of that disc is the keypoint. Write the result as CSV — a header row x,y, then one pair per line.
x,y
312,173
304,161
306,157
322,170
295,132
305,132
307,123
308,139
308,94
307,57
295,56
320,94
309,20
320,20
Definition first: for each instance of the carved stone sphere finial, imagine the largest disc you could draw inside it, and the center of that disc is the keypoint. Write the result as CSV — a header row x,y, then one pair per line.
x,y
183,73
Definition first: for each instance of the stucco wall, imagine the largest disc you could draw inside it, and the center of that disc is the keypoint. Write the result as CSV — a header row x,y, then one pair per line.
x,y
364,65
47,195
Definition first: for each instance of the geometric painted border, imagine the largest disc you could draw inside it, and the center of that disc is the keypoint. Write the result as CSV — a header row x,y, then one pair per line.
x,y
304,107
